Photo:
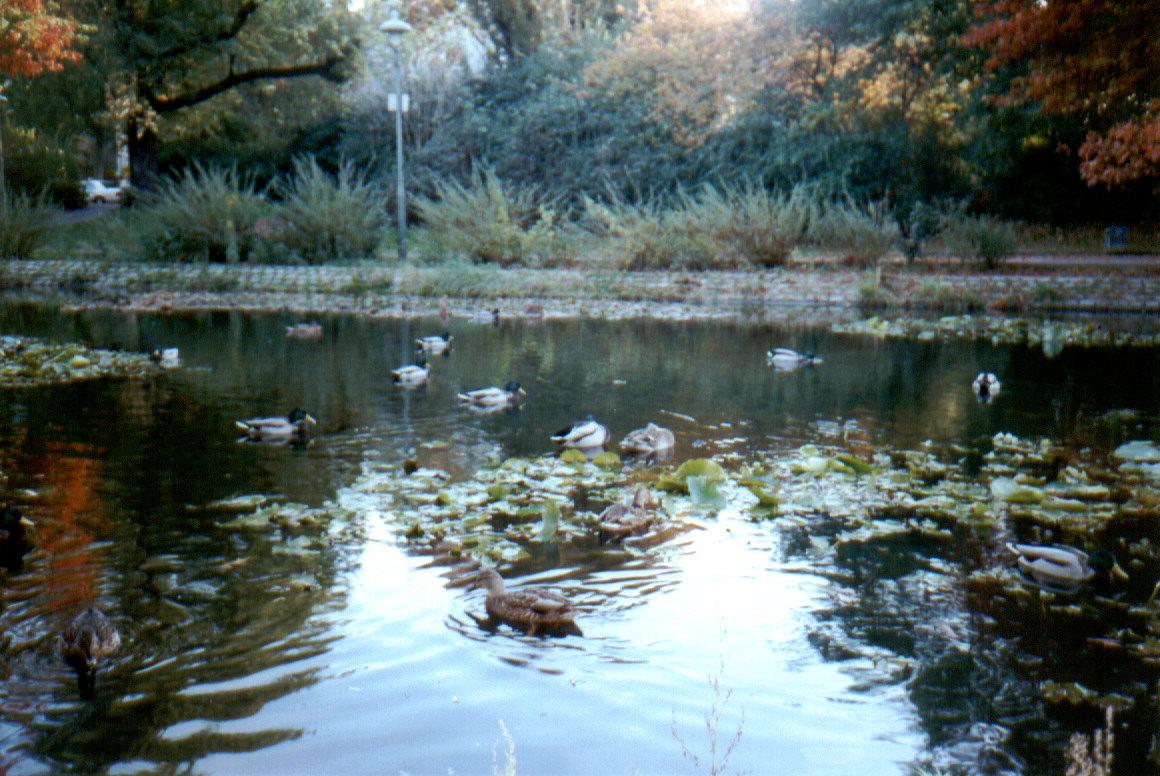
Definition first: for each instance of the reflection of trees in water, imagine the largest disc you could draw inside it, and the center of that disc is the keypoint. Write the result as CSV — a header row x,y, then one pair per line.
x,y
214,620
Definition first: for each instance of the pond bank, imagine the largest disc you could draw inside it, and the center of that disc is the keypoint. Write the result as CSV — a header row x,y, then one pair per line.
x,y
1026,285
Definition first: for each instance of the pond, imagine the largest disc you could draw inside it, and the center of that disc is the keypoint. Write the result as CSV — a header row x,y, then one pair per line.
x,y
302,608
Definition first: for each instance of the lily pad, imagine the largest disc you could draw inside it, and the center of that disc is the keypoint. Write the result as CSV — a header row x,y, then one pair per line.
x,y
701,467
1139,451
1006,489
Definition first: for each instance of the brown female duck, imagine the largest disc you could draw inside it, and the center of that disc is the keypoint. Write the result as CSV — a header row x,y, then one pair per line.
x,y
86,642
530,609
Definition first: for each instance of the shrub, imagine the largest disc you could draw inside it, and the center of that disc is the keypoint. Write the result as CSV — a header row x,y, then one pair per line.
x,y
205,214
980,238
716,229
326,216
26,223
862,235
490,223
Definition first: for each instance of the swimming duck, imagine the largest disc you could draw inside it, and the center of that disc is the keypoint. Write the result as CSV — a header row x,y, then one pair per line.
x,y
412,375
304,331
485,316
274,429
582,435
1061,567
530,609
13,542
435,344
494,398
166,358
620,520
86,642
986,386
786,359
650,441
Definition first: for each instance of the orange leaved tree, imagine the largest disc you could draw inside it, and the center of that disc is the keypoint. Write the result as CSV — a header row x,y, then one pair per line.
x,y
1097,59
35,37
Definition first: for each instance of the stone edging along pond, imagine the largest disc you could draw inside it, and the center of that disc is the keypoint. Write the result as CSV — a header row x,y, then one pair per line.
x,y
389,290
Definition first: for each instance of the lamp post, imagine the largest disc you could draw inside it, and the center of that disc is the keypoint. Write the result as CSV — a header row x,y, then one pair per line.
x,y
395,28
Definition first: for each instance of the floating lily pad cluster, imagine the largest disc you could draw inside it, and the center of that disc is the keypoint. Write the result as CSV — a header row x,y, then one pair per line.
x,y
26,362
1053,336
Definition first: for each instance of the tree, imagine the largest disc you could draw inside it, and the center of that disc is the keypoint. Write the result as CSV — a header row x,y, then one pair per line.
x,y
166,57
35,37
1096,59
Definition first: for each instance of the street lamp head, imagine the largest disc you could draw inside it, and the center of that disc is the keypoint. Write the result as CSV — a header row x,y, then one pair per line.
x,y
395,28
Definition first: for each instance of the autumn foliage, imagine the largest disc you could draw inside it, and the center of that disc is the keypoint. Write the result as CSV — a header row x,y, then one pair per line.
x,y
1098,59
35,38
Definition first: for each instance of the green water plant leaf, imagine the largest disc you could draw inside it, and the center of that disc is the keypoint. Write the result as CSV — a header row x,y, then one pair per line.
x,y
701,467
705,490
550,514
607,460
572,455
1006,489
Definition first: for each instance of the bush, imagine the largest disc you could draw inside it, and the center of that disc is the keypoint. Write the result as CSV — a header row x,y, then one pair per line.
x,y
862,235
980,238
26,223
716,229
330,217
490,223
206,214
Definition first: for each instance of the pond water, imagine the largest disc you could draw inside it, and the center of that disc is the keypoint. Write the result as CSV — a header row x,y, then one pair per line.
x,y
352,649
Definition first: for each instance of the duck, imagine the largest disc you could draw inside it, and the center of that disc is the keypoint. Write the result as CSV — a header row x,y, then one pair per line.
x,y
166,358
86,642
274,429
485,317
1060,567
530,609
435,344
412,375
986,387
304,331
582,435
13,539
494,398
786,359
620,520
650,441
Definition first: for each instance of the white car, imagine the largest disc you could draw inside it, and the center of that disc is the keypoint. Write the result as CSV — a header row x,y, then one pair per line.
x,y
96,190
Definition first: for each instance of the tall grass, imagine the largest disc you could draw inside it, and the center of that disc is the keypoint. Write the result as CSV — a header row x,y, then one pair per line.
x,y
204,214
26,223
980,238
326,217
860,235
490,222
715,228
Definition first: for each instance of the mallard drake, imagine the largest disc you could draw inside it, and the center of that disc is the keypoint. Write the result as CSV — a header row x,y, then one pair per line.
x,y
530,609
86,642
494,398
784,358
304,331
435,344
986,386
582,435
166,358
412,375
651,440
273,429
13,541
620,520
1065,568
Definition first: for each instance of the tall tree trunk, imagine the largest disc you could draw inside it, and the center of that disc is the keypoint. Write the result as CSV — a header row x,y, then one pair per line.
x,y
142,156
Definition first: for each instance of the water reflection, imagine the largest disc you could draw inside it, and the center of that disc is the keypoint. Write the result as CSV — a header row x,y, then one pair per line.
x,y
236,637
